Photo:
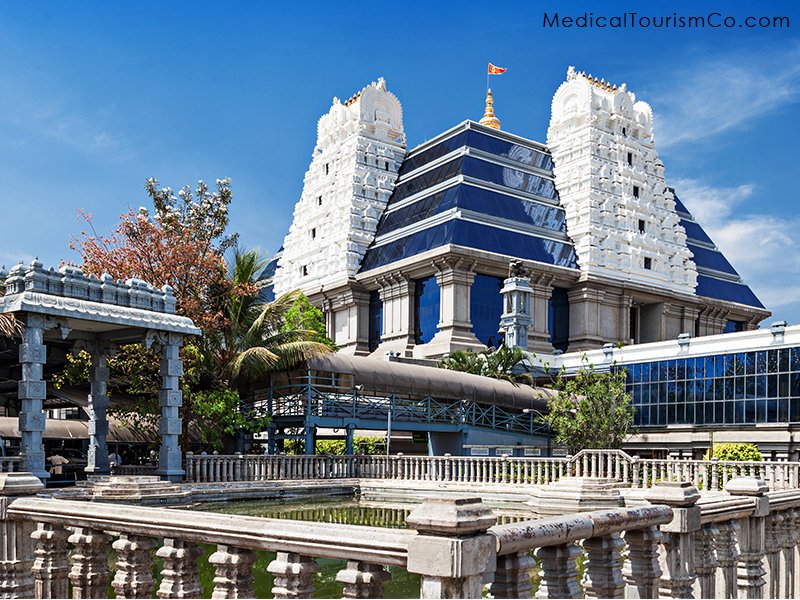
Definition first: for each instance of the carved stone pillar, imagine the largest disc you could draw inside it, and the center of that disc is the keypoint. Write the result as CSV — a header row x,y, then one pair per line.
x,y
233,572
752,536
179,577
642,570
16,544
454,327
677,558
788,564
348,313
294,575
97,462
170,399
726,546
705,561
559,574
512,578
134,573
32,391
397,335
362,580
50,567
538,332
89,574
451,550
602,577
772,545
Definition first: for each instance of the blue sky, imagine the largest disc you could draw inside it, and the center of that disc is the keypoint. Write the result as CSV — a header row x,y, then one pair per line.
x,y
96,97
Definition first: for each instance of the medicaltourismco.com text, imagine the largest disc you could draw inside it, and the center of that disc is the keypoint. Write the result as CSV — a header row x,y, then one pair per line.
x,y
635,20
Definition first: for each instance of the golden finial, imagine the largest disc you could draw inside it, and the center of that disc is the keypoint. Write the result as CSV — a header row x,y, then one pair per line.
x,y
488,116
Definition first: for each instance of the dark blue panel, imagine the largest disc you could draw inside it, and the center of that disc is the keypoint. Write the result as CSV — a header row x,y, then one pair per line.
x,y
711,259
432,153
426,309
472,235
426,180
486,306
695,232
726,290
679,206
558,318
517,152
733,326
508,177
375,319
468,197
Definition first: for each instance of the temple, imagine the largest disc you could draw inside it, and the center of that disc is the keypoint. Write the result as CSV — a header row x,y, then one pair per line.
x,y
407,251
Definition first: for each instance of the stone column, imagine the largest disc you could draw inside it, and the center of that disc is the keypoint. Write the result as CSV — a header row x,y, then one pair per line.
x,y
348,312
32,391
752,536
397,295
455,327
538,332
233,572
677,558
134,571
772,545
641,570
179,577
362,580
726,547
512,578
16,544
705,561
451,551
170,398
51,567
602,577
89,574
294,575
97,463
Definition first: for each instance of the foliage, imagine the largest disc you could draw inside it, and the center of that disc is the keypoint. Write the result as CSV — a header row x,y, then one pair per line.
x,y
361,445
735,451
302,315
181,244
501,363
591,410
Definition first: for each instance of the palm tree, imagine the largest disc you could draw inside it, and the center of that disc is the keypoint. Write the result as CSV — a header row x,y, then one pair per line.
x,y
252,343
501,363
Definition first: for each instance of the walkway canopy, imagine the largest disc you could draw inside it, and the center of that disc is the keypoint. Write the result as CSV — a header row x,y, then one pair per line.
x,y
382,377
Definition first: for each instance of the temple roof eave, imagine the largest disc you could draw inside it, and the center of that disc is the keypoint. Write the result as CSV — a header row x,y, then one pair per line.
x,y
86,315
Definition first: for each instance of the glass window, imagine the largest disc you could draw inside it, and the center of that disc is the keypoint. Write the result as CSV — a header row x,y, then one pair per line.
x,y
426,313
486,307
558,319
375,319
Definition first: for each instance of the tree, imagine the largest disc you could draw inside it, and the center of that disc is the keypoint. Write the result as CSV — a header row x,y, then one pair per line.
x,y
502,363
304,315
591,410
181,244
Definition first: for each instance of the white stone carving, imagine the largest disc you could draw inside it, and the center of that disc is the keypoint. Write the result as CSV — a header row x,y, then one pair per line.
x,y
609,178
360,147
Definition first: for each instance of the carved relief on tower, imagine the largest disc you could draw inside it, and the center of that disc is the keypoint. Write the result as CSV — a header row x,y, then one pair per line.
x,y
610,181
360,147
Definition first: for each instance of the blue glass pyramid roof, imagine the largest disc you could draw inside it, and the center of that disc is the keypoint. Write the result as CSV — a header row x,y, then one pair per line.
x,y
716,277
476,188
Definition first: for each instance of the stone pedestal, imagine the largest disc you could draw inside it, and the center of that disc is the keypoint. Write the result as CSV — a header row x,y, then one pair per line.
x,y
576,494
16,543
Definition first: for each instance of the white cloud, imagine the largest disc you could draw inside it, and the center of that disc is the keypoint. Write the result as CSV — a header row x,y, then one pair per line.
x,y
764,249
715,96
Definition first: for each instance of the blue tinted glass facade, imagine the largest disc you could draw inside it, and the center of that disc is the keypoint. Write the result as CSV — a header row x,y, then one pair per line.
x,y
711,259
375,319
472,235
726,290
744,388
427,298
467,197
486,306
558,318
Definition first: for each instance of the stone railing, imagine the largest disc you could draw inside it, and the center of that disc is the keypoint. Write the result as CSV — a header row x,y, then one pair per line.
x,y
133,469
706,475
12,464
52,545
713,474
742,543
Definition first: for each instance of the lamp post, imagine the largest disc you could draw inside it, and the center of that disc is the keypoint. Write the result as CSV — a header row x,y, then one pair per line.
x,y
533,411
388,432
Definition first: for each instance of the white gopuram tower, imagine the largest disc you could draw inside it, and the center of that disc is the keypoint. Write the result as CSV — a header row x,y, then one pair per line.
x,y
360,147
620,213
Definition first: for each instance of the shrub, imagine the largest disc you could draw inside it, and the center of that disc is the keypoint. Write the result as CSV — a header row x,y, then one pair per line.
x,y
738,451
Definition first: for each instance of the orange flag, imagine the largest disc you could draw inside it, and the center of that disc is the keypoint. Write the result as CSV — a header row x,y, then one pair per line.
x,y
496,70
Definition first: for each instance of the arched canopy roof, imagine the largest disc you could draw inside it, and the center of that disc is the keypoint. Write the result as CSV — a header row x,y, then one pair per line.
x,y
382,377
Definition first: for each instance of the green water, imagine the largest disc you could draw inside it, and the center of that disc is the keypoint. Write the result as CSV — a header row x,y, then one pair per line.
x,y
401,585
